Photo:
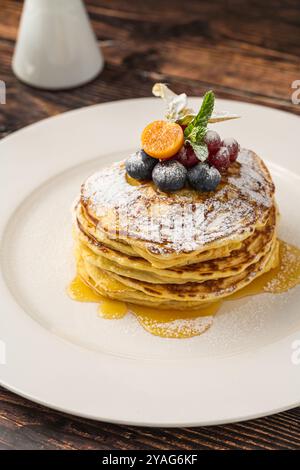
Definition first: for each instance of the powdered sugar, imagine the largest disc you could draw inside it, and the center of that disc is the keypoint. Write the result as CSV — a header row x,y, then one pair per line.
x,y
179,328
183,221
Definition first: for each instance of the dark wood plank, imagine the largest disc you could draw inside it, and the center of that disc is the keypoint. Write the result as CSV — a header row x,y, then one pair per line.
x,y
24,425
245,50
191,50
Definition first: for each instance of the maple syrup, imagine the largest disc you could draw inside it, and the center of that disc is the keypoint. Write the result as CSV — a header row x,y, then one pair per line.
x,y
185,324
112,309
171,323
132,181
283,277
79,291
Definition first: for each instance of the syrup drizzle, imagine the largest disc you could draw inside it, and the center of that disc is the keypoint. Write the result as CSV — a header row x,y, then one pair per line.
x,y
185,324
175,323
112,309
280,279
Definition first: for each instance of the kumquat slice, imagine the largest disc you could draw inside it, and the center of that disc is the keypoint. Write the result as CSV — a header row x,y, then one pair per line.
x,y
162,139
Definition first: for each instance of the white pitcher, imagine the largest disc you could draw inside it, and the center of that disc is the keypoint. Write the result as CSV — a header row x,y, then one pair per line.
x,y
56,46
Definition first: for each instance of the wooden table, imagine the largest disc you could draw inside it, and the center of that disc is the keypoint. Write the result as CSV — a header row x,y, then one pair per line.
x,y
245,50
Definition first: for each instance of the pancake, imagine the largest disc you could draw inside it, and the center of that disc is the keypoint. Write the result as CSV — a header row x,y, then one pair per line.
x,y
189,295
237,260
101,244
184,249
183,223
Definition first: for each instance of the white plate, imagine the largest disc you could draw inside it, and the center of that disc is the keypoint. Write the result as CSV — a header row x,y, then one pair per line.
x,y
61,354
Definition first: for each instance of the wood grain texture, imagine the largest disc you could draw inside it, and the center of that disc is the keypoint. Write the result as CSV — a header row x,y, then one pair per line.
x,y
245,50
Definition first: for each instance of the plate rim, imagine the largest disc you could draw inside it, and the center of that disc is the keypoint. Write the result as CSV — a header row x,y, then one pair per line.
x,y
79,111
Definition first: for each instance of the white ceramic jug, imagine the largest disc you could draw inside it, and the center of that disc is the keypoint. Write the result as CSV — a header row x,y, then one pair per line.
x,y
56,46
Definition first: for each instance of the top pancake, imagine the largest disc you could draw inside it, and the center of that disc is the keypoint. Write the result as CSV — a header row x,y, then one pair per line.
x,y
184,222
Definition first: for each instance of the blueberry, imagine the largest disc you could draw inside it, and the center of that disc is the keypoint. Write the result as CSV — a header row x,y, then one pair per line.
x,y
169,175
140,165
213,179
203,177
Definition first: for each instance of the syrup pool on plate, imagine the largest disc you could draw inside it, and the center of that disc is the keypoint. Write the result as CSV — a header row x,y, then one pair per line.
x,y
172,323
283,277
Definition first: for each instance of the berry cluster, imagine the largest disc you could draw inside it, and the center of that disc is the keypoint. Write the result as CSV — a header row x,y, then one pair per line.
x,y
173,173
221,152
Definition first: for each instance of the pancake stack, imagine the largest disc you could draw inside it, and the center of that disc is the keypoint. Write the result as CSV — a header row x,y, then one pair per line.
x,y
182,250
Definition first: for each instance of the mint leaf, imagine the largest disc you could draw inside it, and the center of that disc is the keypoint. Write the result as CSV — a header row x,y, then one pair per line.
x,y
200,134
196,130
201,151
193,135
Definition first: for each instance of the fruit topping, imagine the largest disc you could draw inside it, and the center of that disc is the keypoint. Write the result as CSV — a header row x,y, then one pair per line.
x,y
181,149
187,156
221,159
162,139
233,147
140,165
213,141
203,177
169,175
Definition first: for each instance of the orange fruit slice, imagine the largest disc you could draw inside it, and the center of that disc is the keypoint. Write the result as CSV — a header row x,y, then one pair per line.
x,y
162,139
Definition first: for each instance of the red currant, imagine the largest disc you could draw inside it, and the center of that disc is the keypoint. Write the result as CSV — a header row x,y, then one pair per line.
x,y
186,156
221,159
233,147
213,141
